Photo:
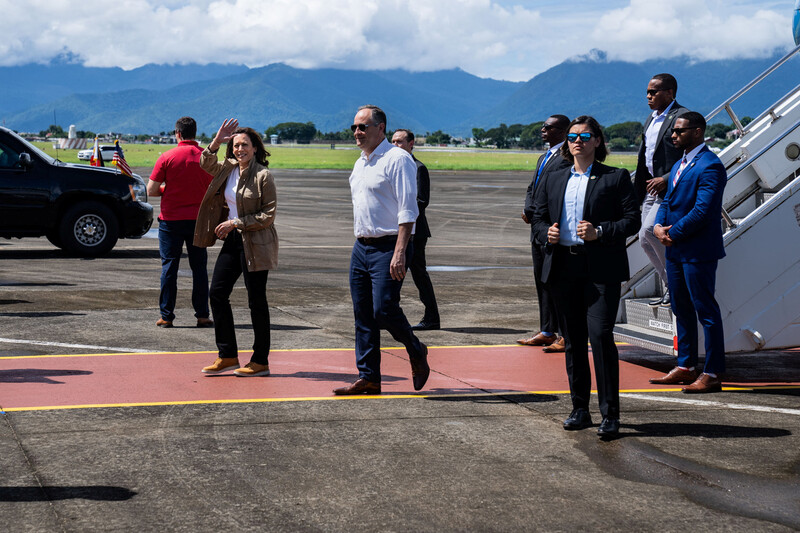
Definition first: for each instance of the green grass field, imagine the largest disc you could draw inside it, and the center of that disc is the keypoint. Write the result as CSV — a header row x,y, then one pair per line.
x,y
312,157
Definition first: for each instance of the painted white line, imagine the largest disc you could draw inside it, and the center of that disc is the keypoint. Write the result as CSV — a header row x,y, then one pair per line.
x,y
705,403
68,345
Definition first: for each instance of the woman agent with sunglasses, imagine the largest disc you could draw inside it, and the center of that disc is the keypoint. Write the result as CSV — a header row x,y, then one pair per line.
x,y
239,208
585,213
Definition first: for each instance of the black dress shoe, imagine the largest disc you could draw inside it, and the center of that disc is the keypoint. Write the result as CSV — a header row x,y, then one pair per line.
x,y
578,419
609,428
665,301
656,302
427,324
362,386
420,369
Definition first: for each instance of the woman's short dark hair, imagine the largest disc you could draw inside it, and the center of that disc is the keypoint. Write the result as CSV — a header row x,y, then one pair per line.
x,y
601,152
255,139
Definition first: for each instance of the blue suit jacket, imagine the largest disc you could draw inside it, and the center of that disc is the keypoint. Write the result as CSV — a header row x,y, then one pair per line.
x,y
693,208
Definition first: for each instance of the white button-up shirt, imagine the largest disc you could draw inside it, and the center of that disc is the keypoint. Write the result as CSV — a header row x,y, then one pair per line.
x,y
572,213
651,135
384,191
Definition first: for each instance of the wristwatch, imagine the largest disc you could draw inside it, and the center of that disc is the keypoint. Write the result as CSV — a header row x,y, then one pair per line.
x,y
599,230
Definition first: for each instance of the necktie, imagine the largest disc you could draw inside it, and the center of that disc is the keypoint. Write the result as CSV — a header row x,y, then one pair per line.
x,y
541,167
678,173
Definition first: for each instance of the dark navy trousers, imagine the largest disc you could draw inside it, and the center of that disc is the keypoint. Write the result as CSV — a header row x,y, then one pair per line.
x,y
376,306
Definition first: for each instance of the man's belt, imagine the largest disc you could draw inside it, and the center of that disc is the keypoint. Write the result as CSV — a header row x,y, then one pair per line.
x,y
575,249
372,241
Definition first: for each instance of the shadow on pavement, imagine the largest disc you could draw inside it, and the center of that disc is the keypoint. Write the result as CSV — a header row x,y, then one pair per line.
x,y
37,375
43,494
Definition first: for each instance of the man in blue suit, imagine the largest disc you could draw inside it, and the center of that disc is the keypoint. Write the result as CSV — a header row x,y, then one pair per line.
x,y
688,224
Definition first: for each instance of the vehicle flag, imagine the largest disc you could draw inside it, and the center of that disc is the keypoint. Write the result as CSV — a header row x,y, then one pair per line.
x,y
97,157
119,160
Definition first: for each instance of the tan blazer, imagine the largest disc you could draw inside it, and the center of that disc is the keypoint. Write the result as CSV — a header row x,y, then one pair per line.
x,y
256,199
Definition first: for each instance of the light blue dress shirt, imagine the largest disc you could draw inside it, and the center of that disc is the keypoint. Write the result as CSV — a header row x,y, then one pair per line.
x,y
572,213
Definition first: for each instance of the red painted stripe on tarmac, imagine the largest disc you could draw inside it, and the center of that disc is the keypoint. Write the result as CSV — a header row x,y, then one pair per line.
x,y
175,378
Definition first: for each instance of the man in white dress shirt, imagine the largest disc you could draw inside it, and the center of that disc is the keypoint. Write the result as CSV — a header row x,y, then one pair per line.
x,y
384,190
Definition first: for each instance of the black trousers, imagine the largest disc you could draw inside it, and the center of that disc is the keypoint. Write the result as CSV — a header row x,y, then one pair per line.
x,y
419,272
588,311
231,264
548,314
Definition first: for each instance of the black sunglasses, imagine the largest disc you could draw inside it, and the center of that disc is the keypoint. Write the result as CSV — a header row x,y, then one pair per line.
x,y
653,92
360,127
550,127
584,137
679,131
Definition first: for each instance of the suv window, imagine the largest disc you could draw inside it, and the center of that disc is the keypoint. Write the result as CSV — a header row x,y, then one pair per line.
x,y
8,158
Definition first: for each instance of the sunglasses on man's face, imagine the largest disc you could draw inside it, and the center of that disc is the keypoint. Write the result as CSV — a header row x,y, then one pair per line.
x,y
584,137
360,127
653,92
679,131
549,127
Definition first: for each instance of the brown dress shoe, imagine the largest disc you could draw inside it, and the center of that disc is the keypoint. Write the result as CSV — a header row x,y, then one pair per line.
x,y
205,323
704,383
560,345
538,340
362,386
164,323
222,364
676,376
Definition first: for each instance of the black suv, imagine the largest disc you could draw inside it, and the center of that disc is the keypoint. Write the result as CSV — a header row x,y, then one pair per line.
x,y
79,208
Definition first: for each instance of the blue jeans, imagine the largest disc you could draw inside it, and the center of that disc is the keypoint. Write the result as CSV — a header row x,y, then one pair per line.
x,y
172,234
376,306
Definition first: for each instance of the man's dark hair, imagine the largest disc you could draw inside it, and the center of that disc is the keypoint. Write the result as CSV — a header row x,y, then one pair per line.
x,y
187,127
255,139
668,82
695,119
409,134
562,121
601,152
378,116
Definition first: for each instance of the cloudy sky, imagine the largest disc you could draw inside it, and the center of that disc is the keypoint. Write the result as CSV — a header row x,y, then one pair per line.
x,y
502,39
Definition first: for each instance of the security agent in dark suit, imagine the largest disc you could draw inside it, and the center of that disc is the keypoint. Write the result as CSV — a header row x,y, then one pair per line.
x,y
419,269
657,154
554,132
585,212
688,224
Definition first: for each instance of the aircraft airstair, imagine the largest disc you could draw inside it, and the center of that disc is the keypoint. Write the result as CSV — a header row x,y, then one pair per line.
x,y
758,282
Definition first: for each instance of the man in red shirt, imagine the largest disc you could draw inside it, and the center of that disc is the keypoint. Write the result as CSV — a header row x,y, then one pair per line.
x,y
180,182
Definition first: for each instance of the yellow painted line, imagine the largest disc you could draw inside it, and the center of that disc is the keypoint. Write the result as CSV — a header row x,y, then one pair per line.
x,y
358,397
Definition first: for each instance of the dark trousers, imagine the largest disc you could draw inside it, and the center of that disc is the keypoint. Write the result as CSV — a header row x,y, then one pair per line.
x,y
588,310
376,306
419,273
172,235
231,264
548,314
692,288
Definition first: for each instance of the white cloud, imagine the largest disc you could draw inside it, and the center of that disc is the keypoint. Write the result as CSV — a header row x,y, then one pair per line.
x,y
494,38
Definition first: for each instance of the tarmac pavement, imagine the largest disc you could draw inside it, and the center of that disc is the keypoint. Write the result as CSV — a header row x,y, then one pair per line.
x,y
107,423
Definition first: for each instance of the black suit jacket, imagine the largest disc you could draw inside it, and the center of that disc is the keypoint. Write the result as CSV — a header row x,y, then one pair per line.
x,y
423,199
609,203
665,155
555,163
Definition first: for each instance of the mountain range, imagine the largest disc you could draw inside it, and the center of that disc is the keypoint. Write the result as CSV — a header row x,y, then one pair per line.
x,y
149,99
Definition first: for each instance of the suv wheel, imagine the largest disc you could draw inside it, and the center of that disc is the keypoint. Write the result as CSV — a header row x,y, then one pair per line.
x,y
89,229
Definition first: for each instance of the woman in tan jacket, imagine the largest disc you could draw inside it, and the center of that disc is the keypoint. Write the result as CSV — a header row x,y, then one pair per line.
x,y
239,208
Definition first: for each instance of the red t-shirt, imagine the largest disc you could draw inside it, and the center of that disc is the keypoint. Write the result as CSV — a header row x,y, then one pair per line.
x,y
185,182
